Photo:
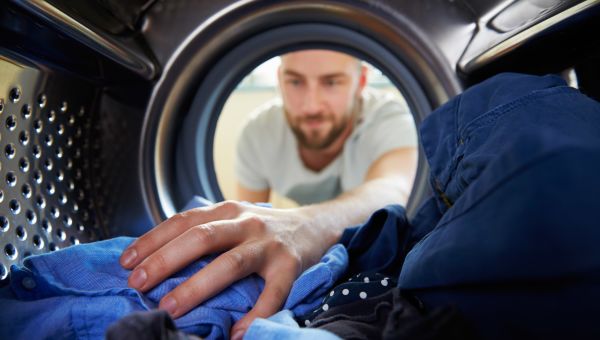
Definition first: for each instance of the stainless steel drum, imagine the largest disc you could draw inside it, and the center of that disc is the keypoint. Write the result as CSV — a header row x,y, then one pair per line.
x,y
93,94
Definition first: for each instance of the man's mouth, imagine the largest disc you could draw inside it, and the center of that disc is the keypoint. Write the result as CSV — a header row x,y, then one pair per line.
x,y
313,121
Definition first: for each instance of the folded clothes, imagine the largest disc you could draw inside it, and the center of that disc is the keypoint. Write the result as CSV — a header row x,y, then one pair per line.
x,y
77,292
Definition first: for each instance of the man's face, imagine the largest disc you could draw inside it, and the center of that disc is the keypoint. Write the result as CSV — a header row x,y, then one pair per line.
x,y
320,90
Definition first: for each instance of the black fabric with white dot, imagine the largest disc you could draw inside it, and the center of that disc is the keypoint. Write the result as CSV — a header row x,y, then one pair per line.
x,y
358,287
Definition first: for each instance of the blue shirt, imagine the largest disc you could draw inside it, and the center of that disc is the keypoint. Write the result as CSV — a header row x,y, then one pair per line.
x,y
77,292
510,233
282,326
514,167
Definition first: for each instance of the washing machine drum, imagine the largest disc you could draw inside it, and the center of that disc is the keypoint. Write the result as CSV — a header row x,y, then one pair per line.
x,y
108,110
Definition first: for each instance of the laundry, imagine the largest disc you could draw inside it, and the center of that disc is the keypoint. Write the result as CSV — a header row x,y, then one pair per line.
x,y
359,287
392,316
511,222
78,292
149,325
283,326
509,235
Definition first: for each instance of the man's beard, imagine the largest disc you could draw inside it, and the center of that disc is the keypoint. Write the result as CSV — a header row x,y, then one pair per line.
x,y
311,140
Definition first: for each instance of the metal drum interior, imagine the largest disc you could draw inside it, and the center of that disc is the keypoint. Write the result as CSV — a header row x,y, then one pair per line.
x,y
94,94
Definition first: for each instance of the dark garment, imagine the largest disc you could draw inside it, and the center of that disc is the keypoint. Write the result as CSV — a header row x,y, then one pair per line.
x,y
369,306
379,245
392,316
358,287
511,232
514,163
150,325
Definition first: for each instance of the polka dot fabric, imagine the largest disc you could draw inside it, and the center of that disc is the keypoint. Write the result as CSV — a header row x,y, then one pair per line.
x,y
360,286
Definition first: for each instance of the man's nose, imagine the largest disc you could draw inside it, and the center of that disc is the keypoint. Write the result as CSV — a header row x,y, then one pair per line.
x,y
312,101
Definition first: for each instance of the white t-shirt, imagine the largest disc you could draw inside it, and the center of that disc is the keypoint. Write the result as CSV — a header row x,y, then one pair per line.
x,y
267,154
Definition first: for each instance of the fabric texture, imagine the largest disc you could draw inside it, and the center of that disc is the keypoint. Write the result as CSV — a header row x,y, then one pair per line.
x,y
391,316
267,140
150,325
380,244
77,292
514,164
509,238
510,233
282,326
359,287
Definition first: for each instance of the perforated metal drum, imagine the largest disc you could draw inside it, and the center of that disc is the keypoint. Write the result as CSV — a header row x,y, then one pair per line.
x,y
93,94
68,139
45,200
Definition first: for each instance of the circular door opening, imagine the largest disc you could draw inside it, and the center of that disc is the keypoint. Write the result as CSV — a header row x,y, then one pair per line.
x,y
196,173
257,133
191,94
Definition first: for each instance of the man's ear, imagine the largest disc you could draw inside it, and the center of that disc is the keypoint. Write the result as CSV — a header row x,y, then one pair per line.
x,y
362,78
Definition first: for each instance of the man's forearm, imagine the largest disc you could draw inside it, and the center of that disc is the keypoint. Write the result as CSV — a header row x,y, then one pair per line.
x,y
329,219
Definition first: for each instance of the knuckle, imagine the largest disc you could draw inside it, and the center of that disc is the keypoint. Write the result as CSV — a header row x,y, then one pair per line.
x,y
235,261
178,218
229,207
278,293
293,263
279,245
187,296
255,222
203,234
288,258
158,263
180,221
191,293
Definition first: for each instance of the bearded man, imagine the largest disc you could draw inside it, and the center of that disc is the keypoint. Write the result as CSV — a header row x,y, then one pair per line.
x,y
329,140
328,134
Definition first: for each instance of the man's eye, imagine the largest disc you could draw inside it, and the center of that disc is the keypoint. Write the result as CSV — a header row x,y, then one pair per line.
x,y
294,82
331,82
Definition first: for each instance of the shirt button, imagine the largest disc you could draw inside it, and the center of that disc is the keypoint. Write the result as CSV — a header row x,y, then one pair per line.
x,y
28,283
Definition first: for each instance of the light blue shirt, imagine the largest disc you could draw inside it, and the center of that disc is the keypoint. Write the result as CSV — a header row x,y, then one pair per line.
x,y
77,292
282,326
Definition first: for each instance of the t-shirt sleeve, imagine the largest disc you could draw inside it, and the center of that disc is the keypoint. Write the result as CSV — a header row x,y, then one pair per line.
x,y
392,128
248,165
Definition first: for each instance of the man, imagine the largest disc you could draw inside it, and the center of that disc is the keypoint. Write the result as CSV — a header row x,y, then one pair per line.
x,y
324,134
276,244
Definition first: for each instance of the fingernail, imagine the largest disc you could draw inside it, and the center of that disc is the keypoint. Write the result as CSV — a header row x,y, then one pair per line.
x,y
138,278
238,335
128,257
169,304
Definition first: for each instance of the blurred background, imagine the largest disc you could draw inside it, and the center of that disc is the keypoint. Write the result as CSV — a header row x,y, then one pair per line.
x,y
259,86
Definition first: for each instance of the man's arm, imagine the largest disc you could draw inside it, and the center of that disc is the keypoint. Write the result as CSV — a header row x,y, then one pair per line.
x,y
389,180
277,244
246,195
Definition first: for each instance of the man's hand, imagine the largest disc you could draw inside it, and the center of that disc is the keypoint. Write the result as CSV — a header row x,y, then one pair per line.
x,y
276,244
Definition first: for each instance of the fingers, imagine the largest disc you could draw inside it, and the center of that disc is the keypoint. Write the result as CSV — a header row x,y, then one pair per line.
x,y
255,242
172,228
277,288
216,276
194,243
